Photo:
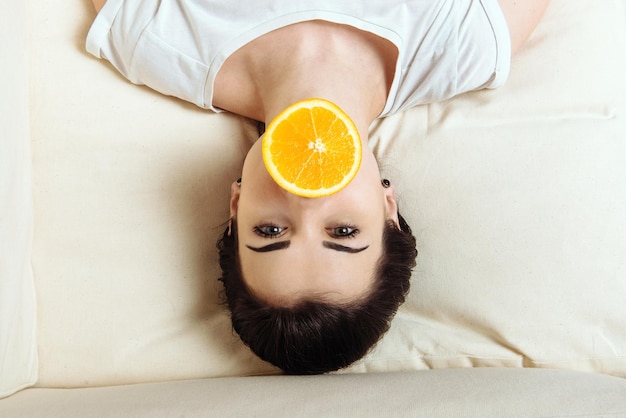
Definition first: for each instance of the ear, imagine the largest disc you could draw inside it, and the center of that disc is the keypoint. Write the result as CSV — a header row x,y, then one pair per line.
x,y
235,191
391,206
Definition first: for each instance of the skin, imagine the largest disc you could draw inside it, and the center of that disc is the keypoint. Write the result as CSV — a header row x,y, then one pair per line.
x,y
276,79
322,260
353,69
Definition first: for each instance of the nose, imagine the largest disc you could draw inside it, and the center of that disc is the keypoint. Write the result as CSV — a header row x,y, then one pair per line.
x,y
308,201
303,202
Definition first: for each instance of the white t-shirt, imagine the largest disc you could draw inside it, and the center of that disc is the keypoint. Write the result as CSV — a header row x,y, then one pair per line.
x,y
177,47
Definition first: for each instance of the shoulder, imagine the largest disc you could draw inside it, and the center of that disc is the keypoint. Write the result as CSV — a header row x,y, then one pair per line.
x,y
522,17
98,4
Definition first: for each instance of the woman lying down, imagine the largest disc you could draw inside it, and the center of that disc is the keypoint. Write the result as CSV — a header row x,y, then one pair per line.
x,y
313,284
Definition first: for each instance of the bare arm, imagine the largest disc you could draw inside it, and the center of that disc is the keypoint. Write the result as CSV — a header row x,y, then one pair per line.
x,y
522,16
98,4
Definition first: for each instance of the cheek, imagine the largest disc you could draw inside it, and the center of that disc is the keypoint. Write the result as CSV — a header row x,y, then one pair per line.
x,y
366,201
261,193
257,183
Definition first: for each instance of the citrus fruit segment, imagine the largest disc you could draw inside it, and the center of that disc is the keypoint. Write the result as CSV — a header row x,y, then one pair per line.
x,y
312,148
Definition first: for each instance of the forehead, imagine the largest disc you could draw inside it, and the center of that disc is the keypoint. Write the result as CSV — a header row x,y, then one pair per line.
x,y
301,272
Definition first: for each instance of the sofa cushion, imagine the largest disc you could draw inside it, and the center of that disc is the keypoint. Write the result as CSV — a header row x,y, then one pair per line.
x,y
515,196
484,393
18,355
517,199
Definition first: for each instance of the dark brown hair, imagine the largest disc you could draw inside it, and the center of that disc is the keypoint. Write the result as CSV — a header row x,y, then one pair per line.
x,y
315,336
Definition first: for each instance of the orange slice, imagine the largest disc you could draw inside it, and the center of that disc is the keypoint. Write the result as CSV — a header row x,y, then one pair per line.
x,y
312,148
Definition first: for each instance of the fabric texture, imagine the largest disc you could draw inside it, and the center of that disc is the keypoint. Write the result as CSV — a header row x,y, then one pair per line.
x,y
517,199
481,393
178,48
18,346
515,196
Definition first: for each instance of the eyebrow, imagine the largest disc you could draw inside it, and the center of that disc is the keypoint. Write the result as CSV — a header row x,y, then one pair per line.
x,y
271,247
275,246
343,248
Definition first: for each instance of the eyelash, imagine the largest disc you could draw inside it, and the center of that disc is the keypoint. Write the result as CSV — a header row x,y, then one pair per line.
x,y
354,231
259,230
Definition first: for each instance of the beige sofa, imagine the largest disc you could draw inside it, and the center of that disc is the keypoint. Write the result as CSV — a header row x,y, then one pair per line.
x,y
112,196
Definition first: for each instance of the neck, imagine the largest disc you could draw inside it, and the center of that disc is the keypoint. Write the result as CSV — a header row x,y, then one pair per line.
x,y
351,68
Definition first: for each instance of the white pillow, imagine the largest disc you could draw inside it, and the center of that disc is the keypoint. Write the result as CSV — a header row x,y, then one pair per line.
x,y
18,348
518,201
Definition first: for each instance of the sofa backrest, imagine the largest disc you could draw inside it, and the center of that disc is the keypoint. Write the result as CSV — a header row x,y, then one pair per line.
x,y
18,348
